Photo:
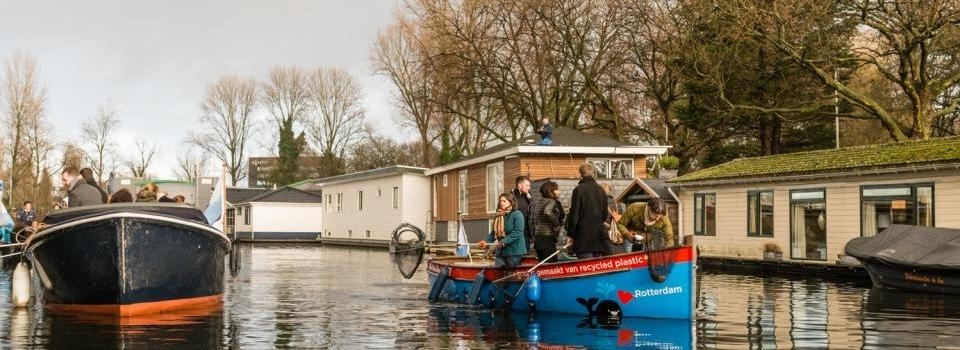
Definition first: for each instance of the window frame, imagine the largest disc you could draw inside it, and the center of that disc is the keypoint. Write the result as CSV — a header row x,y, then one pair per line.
x,y
339,202
754,228
360,200
463,192
604,174
826,218
246,217
396,197
494,187
912,197
700,214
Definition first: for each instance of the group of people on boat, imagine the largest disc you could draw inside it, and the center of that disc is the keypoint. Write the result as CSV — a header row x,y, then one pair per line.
x,y
596,224
82,190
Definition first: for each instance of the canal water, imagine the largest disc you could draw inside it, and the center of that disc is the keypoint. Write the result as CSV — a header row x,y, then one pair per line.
x,y
322,297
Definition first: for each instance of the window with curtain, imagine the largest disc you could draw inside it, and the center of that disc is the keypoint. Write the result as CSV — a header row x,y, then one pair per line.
x,y
705,214
885,205
463,198
808,224
494,185
760,213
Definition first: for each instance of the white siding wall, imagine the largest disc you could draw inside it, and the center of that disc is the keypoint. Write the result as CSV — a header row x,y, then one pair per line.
x,y
842,220
286,217
415,201
378,215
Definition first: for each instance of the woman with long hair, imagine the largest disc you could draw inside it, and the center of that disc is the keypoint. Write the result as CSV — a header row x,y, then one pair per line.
x,y
506,236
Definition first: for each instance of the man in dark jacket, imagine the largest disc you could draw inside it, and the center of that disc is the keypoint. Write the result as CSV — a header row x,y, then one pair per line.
x,y
87,175
588,211
522,194
79,192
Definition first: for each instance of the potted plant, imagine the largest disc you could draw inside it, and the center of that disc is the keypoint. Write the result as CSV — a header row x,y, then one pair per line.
x,y
772,251
668,166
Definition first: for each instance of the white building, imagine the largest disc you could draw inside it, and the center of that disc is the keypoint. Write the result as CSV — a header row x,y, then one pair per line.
x,y
284,214
365,207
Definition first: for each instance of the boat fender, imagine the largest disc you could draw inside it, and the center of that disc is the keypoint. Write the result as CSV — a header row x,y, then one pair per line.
x,y
533,288
475,288
21,285
438,284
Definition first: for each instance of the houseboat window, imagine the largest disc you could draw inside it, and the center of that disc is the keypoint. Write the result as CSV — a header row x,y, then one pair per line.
x,y
808,224
464,196
612,168
705,214
231,220
494,185
760,213
339,202
360,201
885,205
379,193
329,204
444,180
396,197
246,218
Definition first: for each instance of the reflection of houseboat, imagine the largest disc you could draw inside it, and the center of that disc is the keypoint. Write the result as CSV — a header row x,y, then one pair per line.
x,y
812,203
911,257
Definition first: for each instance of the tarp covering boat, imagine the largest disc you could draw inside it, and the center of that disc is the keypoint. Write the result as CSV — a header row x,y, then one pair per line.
x,y
920,247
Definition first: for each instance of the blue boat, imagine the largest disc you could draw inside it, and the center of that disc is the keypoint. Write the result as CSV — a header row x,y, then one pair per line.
x,y
609,288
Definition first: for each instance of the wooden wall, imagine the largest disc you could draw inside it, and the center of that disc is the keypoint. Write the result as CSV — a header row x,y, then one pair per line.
x,y
537,166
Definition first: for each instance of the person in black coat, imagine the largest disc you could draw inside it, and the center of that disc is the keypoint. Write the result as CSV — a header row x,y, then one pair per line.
x,y
524,204
588,211
87,175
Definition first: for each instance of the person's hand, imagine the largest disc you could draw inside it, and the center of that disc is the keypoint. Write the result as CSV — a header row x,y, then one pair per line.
x,y
482,244
499,244
569,242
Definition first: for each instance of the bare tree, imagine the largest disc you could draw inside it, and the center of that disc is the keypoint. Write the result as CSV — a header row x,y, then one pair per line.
x,y
395,55
337,120
97,136
191,165
228,108
40,145
286,96
140,162
24,98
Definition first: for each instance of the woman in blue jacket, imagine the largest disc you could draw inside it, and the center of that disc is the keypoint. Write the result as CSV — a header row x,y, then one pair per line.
x,y
506,237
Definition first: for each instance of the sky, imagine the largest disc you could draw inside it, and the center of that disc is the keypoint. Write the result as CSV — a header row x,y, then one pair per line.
x,y
152,60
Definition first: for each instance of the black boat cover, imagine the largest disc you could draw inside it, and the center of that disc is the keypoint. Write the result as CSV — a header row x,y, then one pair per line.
x,y
177,210
918,246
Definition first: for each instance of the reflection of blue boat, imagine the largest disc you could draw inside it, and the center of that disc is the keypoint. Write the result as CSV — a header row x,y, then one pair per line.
x,y
546,330
611,287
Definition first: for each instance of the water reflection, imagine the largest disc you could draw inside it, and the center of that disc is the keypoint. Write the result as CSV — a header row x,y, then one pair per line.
x,y
549,331
306,296
894,318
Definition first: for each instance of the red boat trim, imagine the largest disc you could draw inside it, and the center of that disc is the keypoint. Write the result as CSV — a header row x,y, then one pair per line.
x,y
126,310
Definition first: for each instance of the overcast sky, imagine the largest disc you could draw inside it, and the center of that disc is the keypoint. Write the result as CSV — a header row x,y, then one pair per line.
x,y
153,59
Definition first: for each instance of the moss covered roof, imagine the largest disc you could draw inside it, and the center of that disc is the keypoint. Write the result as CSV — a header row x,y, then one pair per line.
x,y
882,156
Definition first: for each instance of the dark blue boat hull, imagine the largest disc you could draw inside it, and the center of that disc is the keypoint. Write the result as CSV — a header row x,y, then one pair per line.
x,y
121,259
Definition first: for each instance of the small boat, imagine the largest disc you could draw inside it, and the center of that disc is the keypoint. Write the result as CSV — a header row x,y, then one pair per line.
x,y
127,259
609,288
920,258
